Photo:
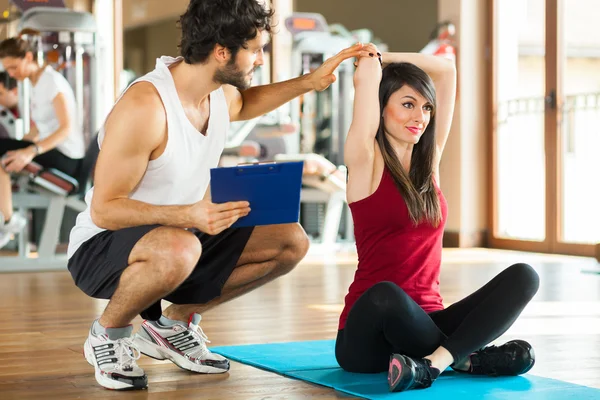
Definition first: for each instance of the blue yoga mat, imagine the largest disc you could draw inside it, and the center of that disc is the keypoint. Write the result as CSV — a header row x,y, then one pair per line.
x,y
315,362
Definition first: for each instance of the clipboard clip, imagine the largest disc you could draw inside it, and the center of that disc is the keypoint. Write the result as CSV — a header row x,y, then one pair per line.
x,y
261,168
258,163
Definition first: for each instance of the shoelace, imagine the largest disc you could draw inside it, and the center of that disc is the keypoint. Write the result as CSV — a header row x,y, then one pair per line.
x,y
423,373
127,354
201,338
493,358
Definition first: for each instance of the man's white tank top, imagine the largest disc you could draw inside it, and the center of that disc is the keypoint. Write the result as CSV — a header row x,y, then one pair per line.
x,y
181,174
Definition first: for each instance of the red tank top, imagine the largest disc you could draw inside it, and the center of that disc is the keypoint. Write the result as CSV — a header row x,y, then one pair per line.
x,y
391,248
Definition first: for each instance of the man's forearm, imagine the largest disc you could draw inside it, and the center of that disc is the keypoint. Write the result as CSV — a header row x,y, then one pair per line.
x,y
259,100
127,213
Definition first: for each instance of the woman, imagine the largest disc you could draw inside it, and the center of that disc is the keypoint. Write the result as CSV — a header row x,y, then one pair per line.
x,y
393,318
54,140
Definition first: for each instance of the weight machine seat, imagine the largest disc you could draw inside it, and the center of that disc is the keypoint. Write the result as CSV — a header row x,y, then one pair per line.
x,y
60,183
52,179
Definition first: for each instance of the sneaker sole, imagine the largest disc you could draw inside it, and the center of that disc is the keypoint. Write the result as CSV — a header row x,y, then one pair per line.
x,y
401,383
103,380
160,353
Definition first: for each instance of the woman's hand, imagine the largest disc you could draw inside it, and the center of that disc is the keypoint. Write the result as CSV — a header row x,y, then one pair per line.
x,y
368,65
369,50
15,161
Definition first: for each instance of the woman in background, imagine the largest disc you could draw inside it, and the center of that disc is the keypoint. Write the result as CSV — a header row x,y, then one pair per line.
x,y
55,141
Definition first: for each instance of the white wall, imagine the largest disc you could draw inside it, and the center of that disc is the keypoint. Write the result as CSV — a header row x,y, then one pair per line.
x,y
405,25
464,166
104,12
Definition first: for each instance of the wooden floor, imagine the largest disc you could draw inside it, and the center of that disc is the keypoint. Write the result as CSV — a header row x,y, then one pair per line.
x,y
45,320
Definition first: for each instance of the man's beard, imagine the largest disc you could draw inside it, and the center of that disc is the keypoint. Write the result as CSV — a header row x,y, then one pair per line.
x,y
231,75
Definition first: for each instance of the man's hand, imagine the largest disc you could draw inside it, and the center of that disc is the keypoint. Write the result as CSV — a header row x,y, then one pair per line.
x,y
15,161
214,218
323,76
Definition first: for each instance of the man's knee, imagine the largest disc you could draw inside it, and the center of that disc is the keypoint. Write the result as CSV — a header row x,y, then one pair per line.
x,y
294,248
173,252
297,242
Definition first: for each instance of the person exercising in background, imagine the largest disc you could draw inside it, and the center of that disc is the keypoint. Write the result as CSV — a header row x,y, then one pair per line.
x,y
9,94
394,319
149,233
9,106
54,141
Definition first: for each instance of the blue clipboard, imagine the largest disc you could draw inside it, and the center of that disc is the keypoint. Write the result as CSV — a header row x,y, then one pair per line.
x,y
272,189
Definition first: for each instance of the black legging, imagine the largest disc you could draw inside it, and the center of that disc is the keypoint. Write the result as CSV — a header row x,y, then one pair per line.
x,y
385,320
51,159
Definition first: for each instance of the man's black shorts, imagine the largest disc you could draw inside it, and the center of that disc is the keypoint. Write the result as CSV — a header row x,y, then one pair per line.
x,y
98,264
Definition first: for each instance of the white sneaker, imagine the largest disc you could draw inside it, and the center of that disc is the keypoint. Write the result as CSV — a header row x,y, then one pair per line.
x,y
183,345
4,239
15,225
115,361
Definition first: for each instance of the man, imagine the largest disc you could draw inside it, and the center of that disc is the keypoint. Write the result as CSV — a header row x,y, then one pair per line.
x,y
9,112
9,105
148,234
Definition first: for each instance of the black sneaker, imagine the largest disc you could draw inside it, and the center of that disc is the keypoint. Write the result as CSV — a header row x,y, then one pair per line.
x,y
512,358
406,373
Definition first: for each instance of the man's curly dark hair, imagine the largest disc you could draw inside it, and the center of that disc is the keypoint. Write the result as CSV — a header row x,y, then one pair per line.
x,y
230,23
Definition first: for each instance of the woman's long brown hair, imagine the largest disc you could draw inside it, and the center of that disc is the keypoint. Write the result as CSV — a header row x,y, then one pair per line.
x,y
417,186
